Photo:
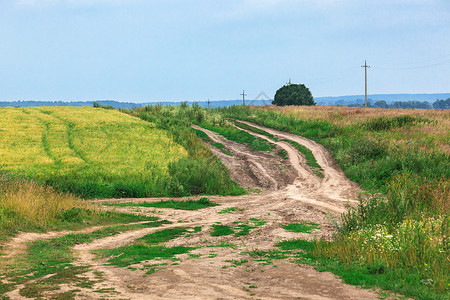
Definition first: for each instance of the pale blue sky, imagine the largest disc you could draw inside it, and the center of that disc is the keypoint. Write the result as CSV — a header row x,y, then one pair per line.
x,y
156,50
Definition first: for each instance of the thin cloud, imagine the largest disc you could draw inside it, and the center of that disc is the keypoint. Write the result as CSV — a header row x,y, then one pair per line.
x,y
43,3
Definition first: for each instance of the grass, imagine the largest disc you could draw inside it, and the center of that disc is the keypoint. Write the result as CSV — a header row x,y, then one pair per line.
x,y
221,230
255,130
300,226
235,263
175,204
147,248
230,210
206,138
267,257
367,275
242,137
28,206
240,228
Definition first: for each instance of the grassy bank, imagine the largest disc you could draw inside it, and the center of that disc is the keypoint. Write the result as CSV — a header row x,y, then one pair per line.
x,y
401,235
29,206
200,172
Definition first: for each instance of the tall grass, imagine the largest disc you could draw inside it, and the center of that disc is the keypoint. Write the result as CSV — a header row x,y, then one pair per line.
x,y
25,204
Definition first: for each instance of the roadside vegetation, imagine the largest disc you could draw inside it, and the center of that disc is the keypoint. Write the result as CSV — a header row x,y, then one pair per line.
x,y
397,237
175,204
29,206
200,172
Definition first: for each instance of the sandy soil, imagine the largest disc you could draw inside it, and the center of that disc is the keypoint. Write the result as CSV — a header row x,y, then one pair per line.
x,y
289,192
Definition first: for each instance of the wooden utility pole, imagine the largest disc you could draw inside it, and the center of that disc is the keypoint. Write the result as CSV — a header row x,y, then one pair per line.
x,y
243,97
365,69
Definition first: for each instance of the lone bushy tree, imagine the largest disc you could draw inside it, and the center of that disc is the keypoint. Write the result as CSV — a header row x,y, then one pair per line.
x,y
293,94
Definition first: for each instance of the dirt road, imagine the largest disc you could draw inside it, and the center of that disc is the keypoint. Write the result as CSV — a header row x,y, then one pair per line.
x,y
289,192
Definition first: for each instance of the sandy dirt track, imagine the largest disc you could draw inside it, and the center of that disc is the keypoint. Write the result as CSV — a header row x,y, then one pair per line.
x,y
289,192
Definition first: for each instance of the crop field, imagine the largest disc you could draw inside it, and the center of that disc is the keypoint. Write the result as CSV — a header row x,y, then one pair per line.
x,y
88,148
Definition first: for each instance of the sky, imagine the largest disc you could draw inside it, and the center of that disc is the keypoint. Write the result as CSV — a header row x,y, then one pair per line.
x,y
187,50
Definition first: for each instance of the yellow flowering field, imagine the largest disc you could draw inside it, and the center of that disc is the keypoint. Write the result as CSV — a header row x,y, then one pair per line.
x,y
89,145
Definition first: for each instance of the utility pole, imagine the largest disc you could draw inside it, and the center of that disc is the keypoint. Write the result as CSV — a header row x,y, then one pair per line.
x,y
243,97
365,69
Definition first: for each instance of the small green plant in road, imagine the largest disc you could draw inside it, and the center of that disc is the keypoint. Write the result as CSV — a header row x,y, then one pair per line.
x,y
296,244
164,235
283,153
235,263
230,210
224,244
175,204
267,257
252,223
239,229
300,226
147,248
221,230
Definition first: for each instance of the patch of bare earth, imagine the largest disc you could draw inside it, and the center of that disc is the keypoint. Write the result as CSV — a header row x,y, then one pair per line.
x,y
290,192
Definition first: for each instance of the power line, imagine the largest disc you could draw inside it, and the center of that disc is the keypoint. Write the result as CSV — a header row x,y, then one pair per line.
x,y
428,63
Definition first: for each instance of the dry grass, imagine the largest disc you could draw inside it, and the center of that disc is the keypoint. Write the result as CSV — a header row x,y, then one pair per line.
x,y
427,136
33,202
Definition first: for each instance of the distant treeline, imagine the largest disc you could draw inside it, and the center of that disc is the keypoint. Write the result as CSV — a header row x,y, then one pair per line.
x,y
112,103
438,104
128,105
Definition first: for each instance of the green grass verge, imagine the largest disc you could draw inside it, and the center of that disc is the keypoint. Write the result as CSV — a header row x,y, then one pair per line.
x,y
412,283
310,159
175,204
206,138
243,137
254,129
